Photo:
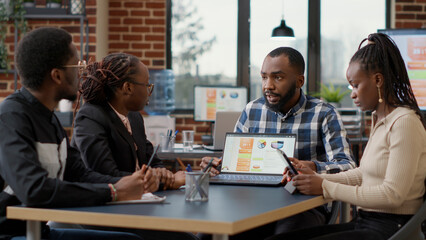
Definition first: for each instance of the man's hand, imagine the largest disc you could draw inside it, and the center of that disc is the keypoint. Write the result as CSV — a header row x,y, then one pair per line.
x,y
309,184
152,181
130,187
309,164
216,161
166,177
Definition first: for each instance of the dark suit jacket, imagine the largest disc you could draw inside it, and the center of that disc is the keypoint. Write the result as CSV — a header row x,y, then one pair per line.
x,y
105,144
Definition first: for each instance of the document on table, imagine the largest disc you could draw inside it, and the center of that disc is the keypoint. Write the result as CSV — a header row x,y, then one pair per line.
x,y
146,198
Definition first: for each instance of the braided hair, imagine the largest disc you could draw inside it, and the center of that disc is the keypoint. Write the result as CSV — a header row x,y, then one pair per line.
x,y
103,78
381,55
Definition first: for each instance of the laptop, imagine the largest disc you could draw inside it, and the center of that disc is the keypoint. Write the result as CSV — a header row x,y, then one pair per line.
x,y
253,159
225,122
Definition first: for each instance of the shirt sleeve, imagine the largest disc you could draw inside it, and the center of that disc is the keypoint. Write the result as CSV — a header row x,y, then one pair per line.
x,y
406,145
240,126
336,144
22,171
351,177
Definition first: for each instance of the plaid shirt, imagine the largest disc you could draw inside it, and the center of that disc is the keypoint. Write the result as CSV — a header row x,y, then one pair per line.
x,y
321,136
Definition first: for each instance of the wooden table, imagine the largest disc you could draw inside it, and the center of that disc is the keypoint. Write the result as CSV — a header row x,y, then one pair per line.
x,y
230,210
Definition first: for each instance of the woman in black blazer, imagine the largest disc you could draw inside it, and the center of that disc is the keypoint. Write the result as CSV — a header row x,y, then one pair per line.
x,y
108,129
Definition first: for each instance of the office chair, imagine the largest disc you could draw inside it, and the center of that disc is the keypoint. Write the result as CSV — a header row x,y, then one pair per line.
x,y
334,212
412,229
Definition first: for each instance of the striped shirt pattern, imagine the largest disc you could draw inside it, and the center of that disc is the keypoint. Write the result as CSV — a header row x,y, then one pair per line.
x,y
321,136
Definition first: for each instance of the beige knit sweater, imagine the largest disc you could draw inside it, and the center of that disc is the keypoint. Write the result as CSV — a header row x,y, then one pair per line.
x,y
392,171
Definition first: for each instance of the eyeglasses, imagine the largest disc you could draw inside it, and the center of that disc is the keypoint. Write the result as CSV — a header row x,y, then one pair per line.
x,y
150,86
82,65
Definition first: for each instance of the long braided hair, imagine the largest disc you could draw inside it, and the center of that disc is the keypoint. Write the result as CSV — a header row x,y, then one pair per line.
x,y
103,78
381,55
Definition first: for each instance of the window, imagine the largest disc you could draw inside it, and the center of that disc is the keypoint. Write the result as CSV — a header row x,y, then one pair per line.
x,y
265,16
204,46
204,40
343,25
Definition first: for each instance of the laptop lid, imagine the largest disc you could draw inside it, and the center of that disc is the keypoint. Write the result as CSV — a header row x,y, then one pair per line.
x,y
225,122
255,153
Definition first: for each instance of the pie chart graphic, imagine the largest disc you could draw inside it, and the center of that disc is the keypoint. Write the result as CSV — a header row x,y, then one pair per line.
x,y
222,94
261,143
277,144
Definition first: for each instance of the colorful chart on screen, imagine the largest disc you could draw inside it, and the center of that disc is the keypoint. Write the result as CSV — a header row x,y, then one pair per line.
x,y
261,143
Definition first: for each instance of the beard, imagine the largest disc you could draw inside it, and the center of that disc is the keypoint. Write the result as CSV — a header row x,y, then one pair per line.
x,y
283,99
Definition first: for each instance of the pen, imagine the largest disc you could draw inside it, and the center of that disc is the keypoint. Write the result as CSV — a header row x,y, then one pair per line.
x,y
188,168
152,156
176,132
180,163
209,165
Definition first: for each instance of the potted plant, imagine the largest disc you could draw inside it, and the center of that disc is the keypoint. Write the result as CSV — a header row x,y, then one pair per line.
x,y
331,94
10,10
4,19
53,3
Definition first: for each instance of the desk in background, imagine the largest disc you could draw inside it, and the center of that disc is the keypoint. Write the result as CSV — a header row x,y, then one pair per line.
x,y
226,213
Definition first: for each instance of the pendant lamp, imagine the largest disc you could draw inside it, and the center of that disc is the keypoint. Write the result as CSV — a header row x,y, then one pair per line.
x,y
282,30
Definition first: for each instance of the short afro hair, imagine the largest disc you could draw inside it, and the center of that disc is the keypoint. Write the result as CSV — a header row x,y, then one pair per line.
x,y
294,57
39,52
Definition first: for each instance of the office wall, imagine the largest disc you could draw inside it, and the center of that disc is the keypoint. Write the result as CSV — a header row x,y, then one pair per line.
x,y
135,26
410,14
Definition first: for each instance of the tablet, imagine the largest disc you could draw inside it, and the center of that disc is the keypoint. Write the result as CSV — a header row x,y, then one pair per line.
x,y
287,161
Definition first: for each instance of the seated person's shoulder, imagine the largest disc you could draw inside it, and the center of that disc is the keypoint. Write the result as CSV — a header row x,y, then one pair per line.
x,y
91,111
135,115
315,104
13,103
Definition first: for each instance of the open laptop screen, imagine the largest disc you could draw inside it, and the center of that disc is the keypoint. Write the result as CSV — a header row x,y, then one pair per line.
x,y
256,153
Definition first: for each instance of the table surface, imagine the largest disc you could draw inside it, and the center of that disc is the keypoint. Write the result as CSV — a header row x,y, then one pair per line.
x,y
230,210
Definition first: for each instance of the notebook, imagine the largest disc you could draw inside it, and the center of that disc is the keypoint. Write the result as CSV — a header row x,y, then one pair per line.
x,y
225,122
252,158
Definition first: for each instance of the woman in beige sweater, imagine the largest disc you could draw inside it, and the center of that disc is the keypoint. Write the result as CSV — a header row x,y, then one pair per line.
x,y
389,184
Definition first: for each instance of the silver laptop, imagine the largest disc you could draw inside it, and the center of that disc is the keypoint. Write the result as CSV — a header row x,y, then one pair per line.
x,y
252,159
225,122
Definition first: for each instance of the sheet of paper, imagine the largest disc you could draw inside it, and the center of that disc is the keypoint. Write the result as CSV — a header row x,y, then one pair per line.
x,y
146,198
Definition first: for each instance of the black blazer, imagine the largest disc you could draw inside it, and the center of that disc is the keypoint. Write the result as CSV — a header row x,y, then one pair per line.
x,y
105,144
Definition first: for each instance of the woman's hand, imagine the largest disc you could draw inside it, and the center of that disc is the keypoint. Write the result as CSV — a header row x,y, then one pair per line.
x,y
179,179
300,166
151,179
309,184
166,177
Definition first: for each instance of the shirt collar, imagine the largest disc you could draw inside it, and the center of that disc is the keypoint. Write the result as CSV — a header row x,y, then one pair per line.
x,y
35,102
300,105
123,118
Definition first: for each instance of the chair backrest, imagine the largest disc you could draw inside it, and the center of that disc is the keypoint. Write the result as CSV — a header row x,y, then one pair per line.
x,y
353,120
334,212
412,229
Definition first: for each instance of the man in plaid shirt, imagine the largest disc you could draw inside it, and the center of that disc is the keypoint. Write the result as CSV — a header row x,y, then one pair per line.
x,y
322,143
